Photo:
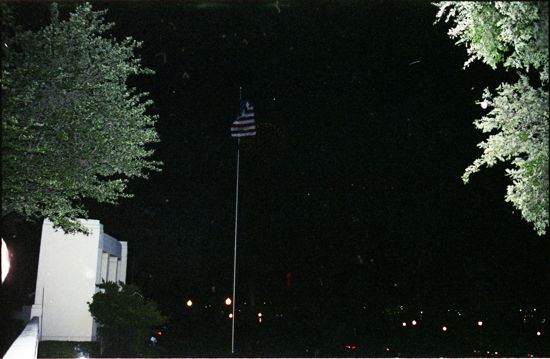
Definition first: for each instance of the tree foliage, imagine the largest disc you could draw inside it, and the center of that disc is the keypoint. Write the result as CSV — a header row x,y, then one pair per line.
x,y
71,127
125,318
514,34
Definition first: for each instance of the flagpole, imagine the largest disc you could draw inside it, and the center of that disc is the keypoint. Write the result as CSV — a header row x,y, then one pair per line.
x,y
235,244
235,252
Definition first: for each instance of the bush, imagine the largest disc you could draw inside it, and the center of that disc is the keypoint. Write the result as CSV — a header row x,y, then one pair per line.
x,y
125,317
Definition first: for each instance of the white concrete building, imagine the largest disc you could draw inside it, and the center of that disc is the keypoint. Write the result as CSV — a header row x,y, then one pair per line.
x,y
69,267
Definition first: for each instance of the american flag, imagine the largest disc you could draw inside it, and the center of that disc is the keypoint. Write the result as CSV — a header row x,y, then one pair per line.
x,y
245,124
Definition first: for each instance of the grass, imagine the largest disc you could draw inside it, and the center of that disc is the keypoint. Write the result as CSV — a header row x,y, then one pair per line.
x,y
55,349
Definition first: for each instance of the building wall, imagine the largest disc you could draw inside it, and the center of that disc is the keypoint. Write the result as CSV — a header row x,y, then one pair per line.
x,y
69,267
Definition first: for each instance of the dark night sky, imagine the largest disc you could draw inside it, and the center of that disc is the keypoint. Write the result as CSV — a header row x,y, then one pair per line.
x,y
353,182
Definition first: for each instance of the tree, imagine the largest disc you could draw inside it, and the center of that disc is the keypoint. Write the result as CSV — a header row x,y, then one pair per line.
x,y
71,127
514,34
125,318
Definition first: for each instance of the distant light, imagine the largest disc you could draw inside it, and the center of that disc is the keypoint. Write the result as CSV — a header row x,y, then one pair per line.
x,y
479,323
387,349
230,315
404,324
159,333
228,301
484,104
189,303
259,320
260,315
413,322
444,328
539,334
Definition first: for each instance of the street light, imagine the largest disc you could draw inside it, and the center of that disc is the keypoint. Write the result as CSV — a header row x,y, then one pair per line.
x,y
479,323
444,328
228,301
189,303
5,261
413,322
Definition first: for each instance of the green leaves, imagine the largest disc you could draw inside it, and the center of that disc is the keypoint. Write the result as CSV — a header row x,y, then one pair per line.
x,y
519,126
514,34
72,129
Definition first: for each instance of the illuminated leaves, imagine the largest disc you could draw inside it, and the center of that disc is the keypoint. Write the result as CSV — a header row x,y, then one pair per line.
x,y
519,126
72,129
514,34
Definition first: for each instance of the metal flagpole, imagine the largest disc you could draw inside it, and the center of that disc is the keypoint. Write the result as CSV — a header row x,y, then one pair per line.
x,y
235,253
235,245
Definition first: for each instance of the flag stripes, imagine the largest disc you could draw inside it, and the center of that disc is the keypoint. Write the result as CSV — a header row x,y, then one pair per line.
x,y
245,124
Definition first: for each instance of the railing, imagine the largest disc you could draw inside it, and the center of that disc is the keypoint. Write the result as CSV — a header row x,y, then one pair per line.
x,y
26,344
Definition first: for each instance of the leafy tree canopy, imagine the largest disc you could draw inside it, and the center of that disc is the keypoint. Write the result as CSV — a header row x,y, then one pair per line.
x,y
125,317
71,127
514,34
